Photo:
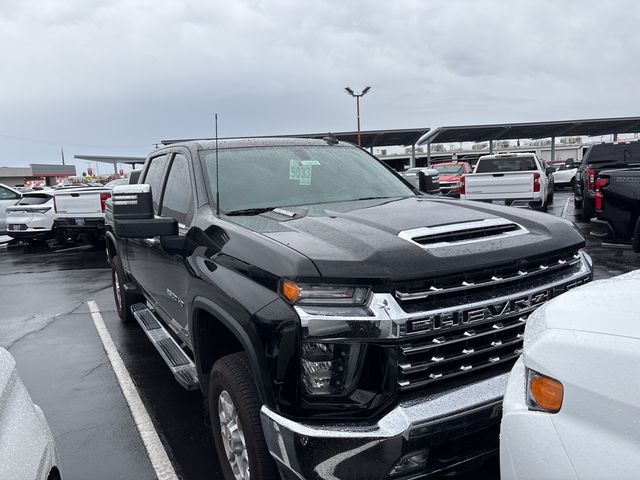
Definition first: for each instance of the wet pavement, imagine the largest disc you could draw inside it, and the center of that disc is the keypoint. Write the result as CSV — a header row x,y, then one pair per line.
x,y
45,324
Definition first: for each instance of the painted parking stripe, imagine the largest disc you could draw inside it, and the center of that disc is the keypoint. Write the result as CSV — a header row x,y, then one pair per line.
x,y
157,454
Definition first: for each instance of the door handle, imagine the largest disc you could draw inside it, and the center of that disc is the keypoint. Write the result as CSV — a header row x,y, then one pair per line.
x,y
152,242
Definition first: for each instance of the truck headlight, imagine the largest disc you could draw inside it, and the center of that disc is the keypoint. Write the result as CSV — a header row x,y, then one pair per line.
x,y
329,368
544,393
328,300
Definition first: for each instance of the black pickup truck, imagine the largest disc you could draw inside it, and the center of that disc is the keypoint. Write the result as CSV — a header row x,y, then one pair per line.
x,y
599,157
617,206
339,323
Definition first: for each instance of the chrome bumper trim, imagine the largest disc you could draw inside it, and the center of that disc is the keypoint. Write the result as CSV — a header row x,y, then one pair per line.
x,y
295,444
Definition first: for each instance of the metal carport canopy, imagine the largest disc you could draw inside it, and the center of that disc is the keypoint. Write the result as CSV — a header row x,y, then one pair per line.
x,y
369,138
110,159
505,131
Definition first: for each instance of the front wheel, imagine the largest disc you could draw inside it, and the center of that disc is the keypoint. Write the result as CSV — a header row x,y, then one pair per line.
x,y
234,407
124,300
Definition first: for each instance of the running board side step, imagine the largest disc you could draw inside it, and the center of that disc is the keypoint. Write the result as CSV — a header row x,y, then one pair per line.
x,y
174,356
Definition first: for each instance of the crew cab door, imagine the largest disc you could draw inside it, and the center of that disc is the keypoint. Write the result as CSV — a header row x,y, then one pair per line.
x,y
169,285
137,259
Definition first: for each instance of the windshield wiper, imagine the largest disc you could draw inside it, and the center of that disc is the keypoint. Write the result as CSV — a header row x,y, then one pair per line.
x,y
250,211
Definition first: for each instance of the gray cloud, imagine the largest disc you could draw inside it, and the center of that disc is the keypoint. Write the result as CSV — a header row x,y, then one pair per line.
x,y
115,76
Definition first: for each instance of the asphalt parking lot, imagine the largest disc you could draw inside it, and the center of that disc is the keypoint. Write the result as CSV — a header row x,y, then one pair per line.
x,y
46,324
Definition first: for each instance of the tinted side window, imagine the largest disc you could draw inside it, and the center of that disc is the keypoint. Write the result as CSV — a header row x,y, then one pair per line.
x,y
177,198
6,194
153,177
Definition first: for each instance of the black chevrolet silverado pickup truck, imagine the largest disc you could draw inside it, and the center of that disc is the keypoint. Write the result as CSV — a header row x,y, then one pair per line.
x,y
617,206
340,323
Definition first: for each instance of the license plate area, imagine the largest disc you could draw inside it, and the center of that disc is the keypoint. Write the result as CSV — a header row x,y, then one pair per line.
x,y
498,202
79,221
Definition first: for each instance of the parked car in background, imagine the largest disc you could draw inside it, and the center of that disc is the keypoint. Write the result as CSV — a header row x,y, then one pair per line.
x,y
27,448
617,207
564,176
602,156
516,179
80,214
31,219
572,404
450,174
425,179
8,197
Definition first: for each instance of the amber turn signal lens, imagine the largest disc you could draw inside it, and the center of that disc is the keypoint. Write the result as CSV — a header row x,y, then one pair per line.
x,y
546,392
290,291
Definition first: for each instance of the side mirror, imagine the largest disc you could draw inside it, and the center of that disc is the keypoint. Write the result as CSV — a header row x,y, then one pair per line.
x,y
549,170
133,215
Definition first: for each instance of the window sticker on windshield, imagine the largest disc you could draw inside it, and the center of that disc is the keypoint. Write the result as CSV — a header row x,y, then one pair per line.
x,y
310,162
299,171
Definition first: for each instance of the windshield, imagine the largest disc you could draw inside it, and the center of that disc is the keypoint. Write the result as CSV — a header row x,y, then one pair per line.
x,y
448,169
268,177
506,164
115,183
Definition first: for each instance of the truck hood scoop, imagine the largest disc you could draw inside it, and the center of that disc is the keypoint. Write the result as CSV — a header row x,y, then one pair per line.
x,y
461,233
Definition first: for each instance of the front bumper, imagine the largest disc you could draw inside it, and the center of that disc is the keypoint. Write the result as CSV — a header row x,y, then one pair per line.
x,y
457,429
530,447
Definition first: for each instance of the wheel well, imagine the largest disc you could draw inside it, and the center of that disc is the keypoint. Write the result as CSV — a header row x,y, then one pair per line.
x,y
111,248
54,474
215,340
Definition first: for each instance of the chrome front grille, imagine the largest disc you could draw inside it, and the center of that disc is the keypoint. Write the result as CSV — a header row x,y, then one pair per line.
x,y
463,330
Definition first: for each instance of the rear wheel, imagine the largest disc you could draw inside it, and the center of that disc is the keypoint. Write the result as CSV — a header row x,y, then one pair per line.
x,y
588,210
124,300
234,407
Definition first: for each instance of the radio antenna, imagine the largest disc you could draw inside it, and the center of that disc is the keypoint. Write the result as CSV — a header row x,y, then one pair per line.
x,y
217,172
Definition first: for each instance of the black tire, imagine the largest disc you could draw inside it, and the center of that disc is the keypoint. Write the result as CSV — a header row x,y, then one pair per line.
x,y
577,203
232,374
125,300
550,199
635,241
588,210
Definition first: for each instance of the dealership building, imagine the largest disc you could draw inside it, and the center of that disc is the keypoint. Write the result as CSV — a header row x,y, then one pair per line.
x,y
36,175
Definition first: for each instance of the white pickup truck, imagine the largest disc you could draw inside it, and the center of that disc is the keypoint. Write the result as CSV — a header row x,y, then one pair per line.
x,y
516,179
80,214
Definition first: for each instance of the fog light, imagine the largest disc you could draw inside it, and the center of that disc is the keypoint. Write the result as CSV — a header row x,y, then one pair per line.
x,y
410,462
328,368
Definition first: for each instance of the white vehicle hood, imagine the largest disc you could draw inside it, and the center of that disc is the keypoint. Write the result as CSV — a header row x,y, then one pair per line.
x,y
591,308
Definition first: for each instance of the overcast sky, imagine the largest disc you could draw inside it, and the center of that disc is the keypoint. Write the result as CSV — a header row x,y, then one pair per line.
x,y
115,76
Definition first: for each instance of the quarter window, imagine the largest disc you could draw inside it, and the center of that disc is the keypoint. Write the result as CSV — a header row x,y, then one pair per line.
x,y
177,199
153,178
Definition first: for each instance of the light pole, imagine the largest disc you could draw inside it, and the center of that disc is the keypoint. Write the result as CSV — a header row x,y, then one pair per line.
x,y
357,97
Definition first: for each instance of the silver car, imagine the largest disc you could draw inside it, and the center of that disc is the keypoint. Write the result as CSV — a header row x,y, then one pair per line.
x,y
27,449
8,197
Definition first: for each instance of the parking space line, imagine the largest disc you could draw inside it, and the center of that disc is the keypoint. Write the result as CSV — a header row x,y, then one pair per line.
x,y
157,454
564,209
